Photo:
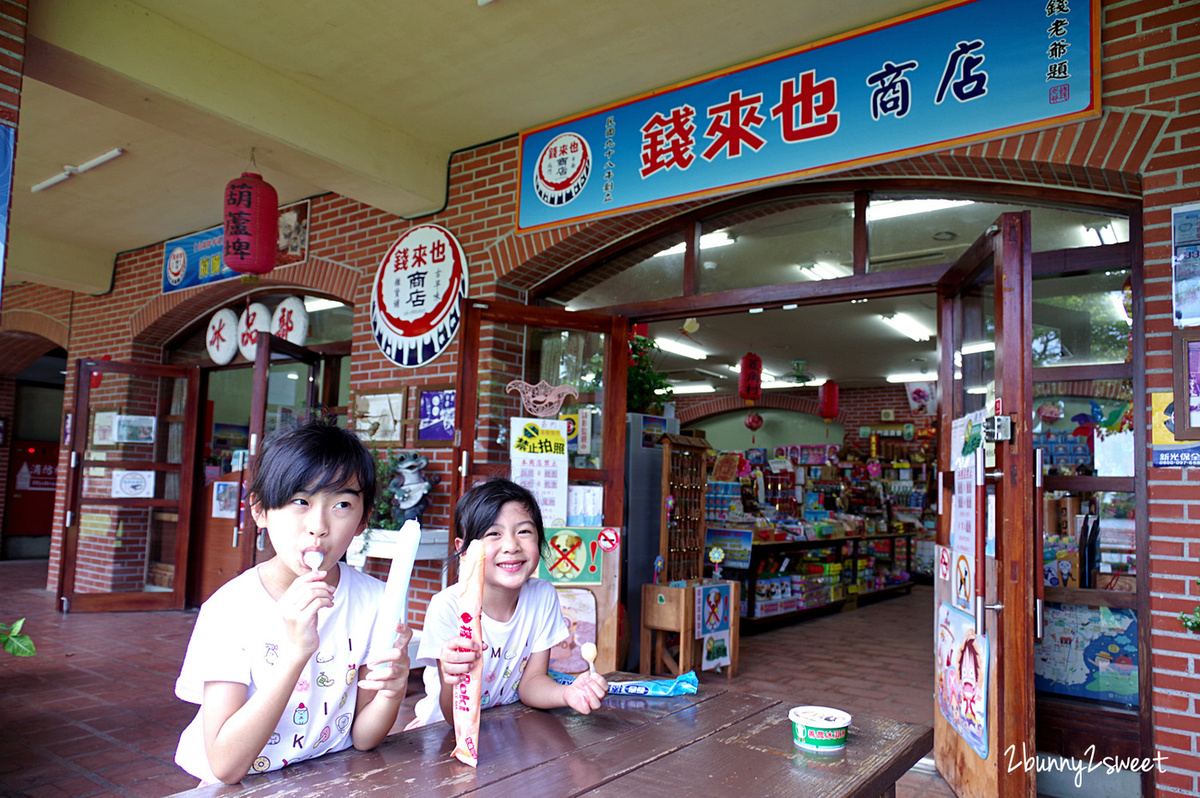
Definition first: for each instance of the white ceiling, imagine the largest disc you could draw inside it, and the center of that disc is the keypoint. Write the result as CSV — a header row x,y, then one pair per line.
x,y
365,99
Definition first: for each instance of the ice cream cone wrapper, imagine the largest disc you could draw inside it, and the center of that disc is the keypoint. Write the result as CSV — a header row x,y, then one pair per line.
x,y
467,692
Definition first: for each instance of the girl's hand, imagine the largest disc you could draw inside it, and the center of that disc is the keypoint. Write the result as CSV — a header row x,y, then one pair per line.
x,y
586,692
299,604
458,655
389,671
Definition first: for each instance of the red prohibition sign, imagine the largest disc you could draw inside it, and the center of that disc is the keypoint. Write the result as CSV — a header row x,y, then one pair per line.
x,y
564,556
608,538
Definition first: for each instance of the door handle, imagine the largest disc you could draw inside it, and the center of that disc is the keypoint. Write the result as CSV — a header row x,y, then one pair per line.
x,y
1039,544
980,541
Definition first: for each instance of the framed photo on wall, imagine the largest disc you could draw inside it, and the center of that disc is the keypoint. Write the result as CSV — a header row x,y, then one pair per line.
x,y
435,415
380,416
1186,366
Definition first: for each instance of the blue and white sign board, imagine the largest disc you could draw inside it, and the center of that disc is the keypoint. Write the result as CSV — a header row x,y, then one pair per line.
x,y
195,259
955,73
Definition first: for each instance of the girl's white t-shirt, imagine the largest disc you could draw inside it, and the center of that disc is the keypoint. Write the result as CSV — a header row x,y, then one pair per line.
x,y
236,639
536,625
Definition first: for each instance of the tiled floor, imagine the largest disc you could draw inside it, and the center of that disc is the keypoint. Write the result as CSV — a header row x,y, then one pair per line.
x,y
94,713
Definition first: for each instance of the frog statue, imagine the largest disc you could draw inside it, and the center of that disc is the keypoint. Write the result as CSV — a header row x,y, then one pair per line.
x,y
411,486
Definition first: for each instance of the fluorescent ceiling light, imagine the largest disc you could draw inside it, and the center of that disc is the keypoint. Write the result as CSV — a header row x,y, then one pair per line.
x,y
707,241
314,303
825,269
913,377
907,325
77,170
980,391
767,376
675,348
690,387
978,347
891,209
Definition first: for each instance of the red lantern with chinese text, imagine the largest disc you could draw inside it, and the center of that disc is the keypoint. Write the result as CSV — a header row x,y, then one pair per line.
x,y
753,423
251,225
750,379
827,401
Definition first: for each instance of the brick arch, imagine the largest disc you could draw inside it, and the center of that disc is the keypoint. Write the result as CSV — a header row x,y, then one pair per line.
x,y
35,323
728,403
162,317
19,350
1105,154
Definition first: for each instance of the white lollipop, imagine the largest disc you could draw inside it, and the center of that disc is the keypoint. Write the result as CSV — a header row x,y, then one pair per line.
x,y
313,559
588,650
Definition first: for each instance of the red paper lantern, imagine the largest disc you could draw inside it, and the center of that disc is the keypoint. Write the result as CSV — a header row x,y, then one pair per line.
x,y
750,378
754,421
827,400
251,225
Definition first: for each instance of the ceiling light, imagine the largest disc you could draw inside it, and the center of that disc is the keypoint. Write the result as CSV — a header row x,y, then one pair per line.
x,y
891,209
825,267
690,387
978,347
707,241
314,303
675,348
907,325
756,310
792,306
913,377
737,369
980,391
77,170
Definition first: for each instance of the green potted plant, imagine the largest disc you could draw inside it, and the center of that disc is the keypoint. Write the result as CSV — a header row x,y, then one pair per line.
x,y
647,390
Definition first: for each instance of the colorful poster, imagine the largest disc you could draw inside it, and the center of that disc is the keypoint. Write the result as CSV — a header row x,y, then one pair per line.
x,y
734,542
962,672
1185,264
539,463
712,608
959,72
1088,652
575,556
1165,450
716,651
966,436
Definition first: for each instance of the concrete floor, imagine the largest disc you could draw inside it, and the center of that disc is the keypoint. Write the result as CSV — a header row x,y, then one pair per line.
x,y
94,713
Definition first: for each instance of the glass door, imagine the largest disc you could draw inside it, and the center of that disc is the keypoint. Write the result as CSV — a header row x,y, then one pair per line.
x,y
986,610
132,436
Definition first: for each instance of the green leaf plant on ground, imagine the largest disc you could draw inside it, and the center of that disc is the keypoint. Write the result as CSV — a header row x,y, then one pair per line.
x,y
1191,622
14,642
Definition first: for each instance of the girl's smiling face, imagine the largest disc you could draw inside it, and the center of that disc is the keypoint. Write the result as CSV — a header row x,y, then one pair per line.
x,y
511,547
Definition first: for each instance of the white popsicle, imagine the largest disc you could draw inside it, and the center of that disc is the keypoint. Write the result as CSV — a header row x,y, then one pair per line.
x,y
394,607
313,560
588,650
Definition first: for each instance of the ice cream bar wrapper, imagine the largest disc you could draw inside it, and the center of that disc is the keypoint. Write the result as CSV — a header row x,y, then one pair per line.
x,y
467,693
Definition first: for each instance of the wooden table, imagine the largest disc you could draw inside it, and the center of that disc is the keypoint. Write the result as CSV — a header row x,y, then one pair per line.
x,y
717,742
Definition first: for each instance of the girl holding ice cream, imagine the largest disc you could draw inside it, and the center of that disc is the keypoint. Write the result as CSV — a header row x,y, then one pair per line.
x,y
280,659
522,619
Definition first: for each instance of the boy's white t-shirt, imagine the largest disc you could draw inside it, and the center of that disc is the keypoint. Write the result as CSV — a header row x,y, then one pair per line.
x,y
236,639
537,625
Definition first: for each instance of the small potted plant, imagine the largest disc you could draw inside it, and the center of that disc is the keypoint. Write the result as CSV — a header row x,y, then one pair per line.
x,y
647,390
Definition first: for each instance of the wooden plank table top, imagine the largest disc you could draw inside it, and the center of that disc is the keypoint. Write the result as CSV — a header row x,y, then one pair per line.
x,y
717,741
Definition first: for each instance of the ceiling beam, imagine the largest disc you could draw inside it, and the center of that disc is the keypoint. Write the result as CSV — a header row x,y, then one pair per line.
x,y
119,55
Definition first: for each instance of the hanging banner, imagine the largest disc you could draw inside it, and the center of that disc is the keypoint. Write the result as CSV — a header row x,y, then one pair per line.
x,y
958,72
539,463
417,293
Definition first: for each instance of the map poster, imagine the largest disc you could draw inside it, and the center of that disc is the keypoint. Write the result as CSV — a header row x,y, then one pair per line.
x,y
962,676
1088,652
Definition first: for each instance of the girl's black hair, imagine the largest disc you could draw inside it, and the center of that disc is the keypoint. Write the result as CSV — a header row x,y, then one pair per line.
x,y
479,506
314,456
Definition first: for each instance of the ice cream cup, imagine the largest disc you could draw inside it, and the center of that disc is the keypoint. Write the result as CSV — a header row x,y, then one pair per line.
x,y
820,729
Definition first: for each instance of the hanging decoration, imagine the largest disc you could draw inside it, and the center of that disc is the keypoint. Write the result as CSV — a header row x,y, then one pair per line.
x,y
750,379
827,400
251,224
753,423
255,319
221,340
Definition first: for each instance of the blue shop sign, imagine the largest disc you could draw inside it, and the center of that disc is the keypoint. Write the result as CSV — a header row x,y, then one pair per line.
x,y
955,73
195,259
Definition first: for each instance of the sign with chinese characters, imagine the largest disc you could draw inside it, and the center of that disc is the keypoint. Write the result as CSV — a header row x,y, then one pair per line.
x,y
196,258
539,463
958,72
415,300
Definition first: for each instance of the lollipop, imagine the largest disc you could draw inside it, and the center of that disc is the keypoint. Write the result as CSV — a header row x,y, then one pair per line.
x,y
588,650
313,560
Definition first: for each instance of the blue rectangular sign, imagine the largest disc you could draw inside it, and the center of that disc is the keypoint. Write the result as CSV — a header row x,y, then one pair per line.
x,y
958,72
195,259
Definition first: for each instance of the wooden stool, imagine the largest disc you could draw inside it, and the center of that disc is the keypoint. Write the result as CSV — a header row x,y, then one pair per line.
x,y
667,610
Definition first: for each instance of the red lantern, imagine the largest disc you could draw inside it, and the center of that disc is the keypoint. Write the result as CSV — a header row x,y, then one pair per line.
x,y
827,400
251,225
754,423
750,378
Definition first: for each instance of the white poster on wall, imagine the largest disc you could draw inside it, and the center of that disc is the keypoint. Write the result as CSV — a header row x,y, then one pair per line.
x,y
539,463
1185,264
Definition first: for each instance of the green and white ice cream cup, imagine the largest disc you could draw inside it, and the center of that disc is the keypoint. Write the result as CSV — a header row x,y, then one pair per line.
x,y
820,729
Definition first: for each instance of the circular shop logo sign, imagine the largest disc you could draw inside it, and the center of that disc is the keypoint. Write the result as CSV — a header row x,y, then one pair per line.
x,y
176,266
132,484
562,169
415,309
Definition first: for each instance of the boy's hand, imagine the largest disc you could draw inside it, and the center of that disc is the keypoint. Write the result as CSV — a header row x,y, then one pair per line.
x,y
458,655
389,672
299,604
586,692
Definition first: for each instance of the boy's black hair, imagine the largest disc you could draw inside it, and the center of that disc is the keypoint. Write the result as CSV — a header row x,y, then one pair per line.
x,y
314,456
479,506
